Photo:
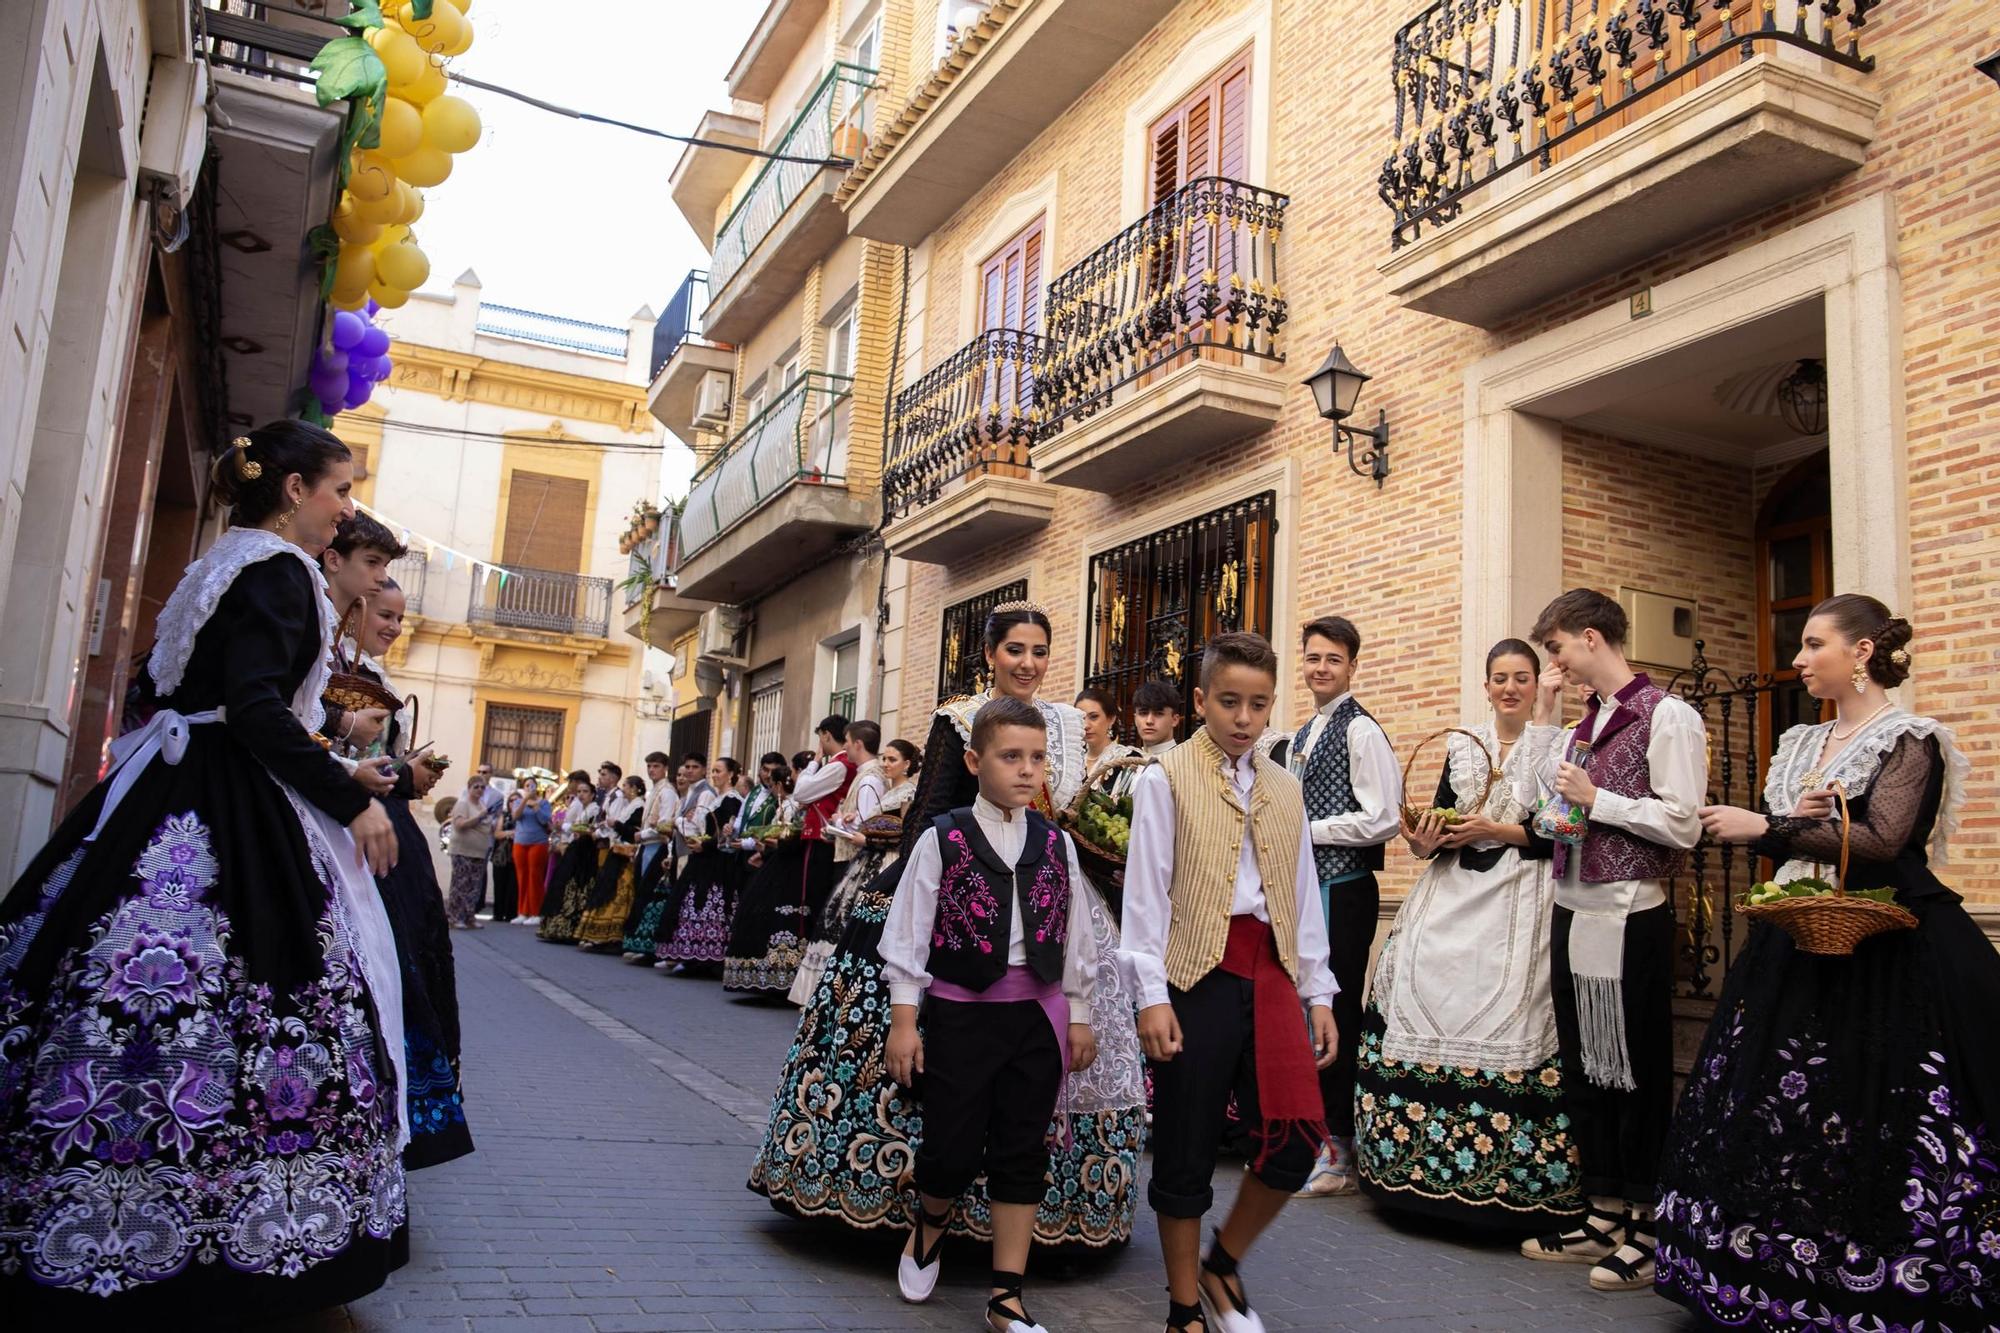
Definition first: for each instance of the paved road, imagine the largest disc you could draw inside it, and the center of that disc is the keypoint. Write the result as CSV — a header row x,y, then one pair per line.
x,y
616,1112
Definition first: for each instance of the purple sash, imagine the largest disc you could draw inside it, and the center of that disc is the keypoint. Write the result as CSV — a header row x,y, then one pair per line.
x,y
1020,983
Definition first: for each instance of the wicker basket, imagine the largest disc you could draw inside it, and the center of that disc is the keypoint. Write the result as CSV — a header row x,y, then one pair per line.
x,y
1100,863
1413,813
442,810
883,830
1833,923
350,690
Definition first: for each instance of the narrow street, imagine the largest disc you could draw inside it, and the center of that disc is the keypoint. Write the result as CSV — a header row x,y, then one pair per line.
x,y
616,1111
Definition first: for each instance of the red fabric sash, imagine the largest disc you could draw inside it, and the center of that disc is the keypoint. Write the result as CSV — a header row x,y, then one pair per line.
x,y
1287,1075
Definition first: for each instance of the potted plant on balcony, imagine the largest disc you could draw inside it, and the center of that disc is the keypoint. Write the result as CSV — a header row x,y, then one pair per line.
x,y
640,527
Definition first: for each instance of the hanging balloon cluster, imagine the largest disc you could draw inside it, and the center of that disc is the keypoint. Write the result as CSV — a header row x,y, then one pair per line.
x,y
403,134
346,369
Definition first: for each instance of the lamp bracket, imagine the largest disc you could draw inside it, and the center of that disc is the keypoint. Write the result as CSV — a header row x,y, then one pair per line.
x,y
1374,460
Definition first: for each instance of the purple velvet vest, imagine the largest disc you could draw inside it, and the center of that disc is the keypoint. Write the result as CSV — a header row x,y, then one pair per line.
x,y
976,893
1617,763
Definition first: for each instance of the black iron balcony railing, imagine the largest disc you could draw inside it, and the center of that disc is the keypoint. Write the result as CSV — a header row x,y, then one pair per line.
x,y
267,41
543,599
1196,277
682,321
971,414
412,573
1463,120
800,438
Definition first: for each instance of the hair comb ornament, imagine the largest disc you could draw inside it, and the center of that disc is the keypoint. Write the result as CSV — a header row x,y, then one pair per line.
x,y
1901,657
1034,608
247,467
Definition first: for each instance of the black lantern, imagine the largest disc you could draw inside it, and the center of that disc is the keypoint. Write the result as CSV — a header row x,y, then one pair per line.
x,y
1802,398
1336,388
1990,66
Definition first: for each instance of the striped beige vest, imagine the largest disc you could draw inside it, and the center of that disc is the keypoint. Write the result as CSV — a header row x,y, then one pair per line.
x,y
1209,827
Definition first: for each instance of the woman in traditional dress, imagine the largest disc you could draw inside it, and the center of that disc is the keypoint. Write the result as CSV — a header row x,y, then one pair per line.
x,y
767,928
839,1142
1459,1099
898,765
579,853
1835,1158
410,892
658,880
613,892
1101,745
202,1094
705,896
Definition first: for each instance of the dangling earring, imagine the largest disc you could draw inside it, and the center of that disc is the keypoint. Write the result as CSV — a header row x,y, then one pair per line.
x,y
285,519
1861,678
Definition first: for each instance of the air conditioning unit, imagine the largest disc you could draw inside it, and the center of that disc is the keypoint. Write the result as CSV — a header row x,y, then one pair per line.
x,y
174,136
711,400
716,640
653,682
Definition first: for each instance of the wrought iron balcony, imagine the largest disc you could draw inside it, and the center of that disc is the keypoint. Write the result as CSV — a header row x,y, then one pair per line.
x,y
973,414
800,438
543,599
1465,120
412,573
654,559
1195,278
826,124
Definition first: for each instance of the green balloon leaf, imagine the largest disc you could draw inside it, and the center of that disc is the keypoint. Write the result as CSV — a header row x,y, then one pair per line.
x,y
348,67
367,14
421,8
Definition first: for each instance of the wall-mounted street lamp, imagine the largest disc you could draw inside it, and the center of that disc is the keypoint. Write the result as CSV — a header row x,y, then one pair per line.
x,y
1336,387
1990,66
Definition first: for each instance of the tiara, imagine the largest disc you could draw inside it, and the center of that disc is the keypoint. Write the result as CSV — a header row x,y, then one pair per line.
x,y
247,467
1033,608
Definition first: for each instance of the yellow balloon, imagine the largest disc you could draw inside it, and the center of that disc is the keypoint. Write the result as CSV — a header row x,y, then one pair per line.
x,y
416,209
426,86
402,127
409,204
464,42
381,211
340,302
402,265
353,271
389,298
463,7
390,236
436,33
425,167
451,124
371,176
351,226
399,53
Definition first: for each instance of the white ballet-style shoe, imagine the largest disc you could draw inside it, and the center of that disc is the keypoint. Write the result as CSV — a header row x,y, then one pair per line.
x,y
918,1268
1000,1319
1232,1314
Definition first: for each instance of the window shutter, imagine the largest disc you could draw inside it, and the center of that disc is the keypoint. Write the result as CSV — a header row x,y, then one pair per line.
x,y
545,521
1233,143
1031,281
1010,282
1166,176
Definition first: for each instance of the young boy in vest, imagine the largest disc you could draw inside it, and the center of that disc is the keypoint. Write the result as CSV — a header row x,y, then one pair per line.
x,y
1641,783
1354,793
991,934
1223,939
1156,717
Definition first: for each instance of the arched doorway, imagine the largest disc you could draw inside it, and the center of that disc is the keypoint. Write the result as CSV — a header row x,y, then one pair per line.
x,y
1794,555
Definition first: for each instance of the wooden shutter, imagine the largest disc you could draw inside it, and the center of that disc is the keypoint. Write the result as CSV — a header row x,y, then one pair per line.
x,y
545,521
1208,134
1559,21
1010,284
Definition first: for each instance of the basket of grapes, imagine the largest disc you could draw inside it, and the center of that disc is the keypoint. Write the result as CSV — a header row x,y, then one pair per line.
x,y
1099,823
1413,814
1822,918
884,830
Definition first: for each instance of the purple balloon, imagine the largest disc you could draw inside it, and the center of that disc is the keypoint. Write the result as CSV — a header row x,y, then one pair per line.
x,y
348,329
357,392
383,367
372,308
329,385
374,341
333,406
335,360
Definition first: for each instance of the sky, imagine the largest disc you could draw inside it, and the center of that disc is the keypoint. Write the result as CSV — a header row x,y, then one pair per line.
x,y
565,217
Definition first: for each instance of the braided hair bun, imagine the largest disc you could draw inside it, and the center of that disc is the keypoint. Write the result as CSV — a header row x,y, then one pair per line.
x,y
249,475
1858,616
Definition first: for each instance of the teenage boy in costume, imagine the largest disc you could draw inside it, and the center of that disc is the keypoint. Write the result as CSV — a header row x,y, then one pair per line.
x,y
990,933
1612,939
1156,717
1223,939
1354,794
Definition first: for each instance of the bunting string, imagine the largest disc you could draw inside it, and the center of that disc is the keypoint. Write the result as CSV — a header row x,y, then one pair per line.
x,y
432,547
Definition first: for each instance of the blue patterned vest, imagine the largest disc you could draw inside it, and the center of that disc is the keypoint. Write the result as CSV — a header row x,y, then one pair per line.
x,y
1329,790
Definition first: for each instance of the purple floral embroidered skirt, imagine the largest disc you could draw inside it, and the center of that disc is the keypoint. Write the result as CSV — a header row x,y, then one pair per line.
x,y
1833,1162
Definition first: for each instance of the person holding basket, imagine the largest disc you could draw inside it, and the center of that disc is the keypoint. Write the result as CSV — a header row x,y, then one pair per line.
x,y
1835,1153
1460,1109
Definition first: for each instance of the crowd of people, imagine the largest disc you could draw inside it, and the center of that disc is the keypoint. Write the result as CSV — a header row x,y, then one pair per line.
x,y
229,1025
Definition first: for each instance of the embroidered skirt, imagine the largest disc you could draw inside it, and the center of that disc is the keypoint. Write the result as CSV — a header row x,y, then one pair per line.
x,y
569,890
767,934
700,908
410,894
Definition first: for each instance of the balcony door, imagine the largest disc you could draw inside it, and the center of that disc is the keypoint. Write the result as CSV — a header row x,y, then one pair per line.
x,y
1010,303
1556,25
542,548
1794,574
1206,138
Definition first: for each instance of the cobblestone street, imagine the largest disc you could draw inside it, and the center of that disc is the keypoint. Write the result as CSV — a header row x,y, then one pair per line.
x,y
616,1111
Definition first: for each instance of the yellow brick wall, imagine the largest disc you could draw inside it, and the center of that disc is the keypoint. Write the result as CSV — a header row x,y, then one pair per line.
x,y
1391,559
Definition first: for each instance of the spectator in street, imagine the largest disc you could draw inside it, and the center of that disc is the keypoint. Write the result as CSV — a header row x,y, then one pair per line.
x,y
474,820
533,822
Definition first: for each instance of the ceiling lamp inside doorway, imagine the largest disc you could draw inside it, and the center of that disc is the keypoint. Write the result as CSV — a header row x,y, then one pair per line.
x,y
1802,398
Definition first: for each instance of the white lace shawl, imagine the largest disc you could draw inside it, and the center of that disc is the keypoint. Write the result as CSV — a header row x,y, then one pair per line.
x,y
201,590
1514,791
1067,764
1855,766
898,796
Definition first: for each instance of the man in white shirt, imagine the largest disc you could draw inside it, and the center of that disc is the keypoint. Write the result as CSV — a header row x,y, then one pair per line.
x,y
1637,765
1353,792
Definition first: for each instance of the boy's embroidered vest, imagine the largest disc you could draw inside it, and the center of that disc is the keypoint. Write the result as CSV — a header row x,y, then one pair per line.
x,y
1617,763
976,894
823,809
1329,790
1210,824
